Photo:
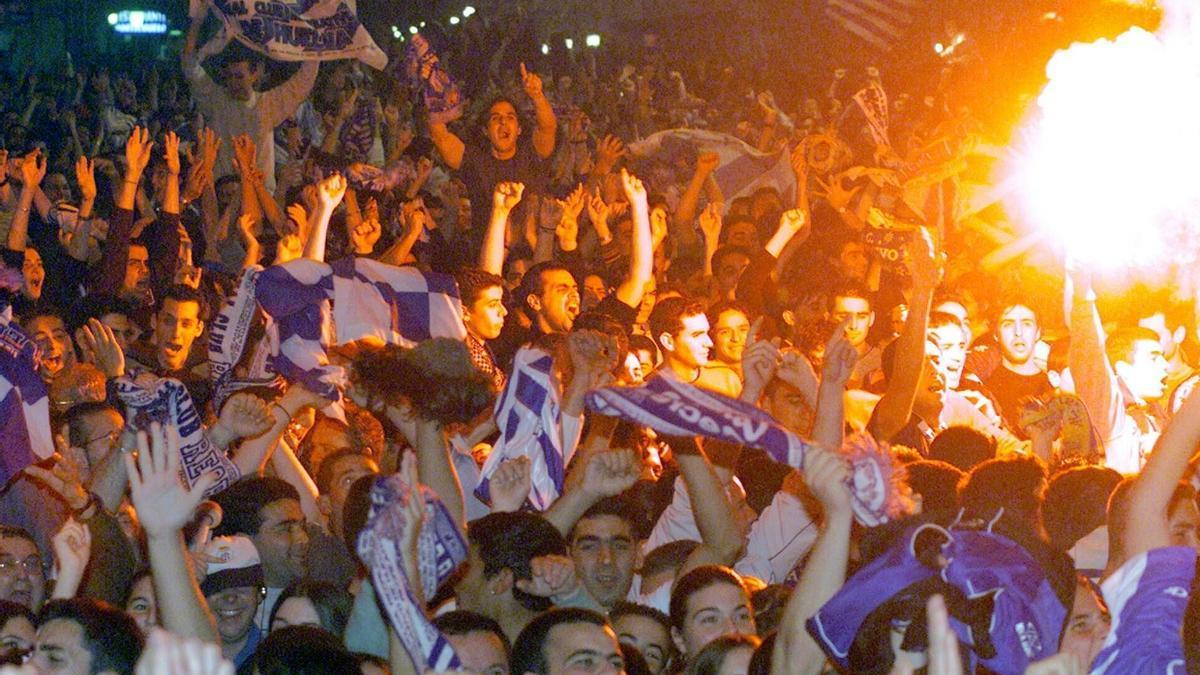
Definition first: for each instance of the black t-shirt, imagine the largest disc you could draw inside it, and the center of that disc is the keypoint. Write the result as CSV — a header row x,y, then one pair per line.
x,y
1009,388
480,172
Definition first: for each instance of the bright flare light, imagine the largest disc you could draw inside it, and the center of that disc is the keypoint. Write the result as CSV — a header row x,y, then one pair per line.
x,y
454,20
468,11
592,40
1107,165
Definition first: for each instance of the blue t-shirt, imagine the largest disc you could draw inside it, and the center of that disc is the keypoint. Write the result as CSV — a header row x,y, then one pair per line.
x,y
252,640
1147,597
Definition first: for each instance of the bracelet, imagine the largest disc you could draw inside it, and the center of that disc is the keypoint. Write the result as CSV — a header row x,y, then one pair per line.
x,y
285,411
92,501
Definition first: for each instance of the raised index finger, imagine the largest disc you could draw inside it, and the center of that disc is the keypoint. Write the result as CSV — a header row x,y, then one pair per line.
x,y
752,336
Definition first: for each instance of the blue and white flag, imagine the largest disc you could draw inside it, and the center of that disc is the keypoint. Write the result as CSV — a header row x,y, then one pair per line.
x,y
440,550
677,408
24,405
372,301
529,416
293,30
742,168
166,400
879,23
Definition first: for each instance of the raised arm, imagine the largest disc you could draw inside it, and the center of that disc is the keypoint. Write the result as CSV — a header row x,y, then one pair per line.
x,y
448,145
1150,495
685,213
329,194
721,537
504,199
830,417
547,125
164,506
1095,381
796,653
894,409
33,169
641,263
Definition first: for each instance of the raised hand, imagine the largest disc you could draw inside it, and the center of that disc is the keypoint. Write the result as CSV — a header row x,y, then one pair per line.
x,y
66,476
635,191
162,502
609,151
186,273
923,263
331,190
168,653
367,232
348,105
826,474
245,415
795,221
33,168
760,360
414,510
101,343
245,153
572,206
171,152
506,196
510,484
797,371
298,216
85,177
707,162
553,575
711,223
597,211
72,549
593,357
610,472
532,83
137,151
840,358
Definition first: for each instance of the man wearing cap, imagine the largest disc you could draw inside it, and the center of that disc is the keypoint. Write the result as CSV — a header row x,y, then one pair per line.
x,y
234,589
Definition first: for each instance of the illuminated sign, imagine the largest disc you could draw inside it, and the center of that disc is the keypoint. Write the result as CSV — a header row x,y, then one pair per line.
x,y
136,21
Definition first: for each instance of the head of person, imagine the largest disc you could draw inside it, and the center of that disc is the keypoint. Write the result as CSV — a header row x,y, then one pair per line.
x,y
240,75
33,274
680,328
361,433
567,640
1087,624
22,573
56,187
312,603
1015,484
302,649
730,328
726,655
706,603
740,230
233,587
1183,520
336,475
49,332
604,546
954,305
662,564
934,484
227,189
850,259
267,510
595,289
503,127
647,629
852,303
788,406
94,428
142,602
501,548
482,296
1076,502
110,311
1137,357
946,342
1018,332
18,630
177,323
728,264
963,447
647,354
480,642
551,297
82,636
135,287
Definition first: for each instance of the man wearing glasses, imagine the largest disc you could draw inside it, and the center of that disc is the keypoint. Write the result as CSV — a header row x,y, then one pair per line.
x,y
22,577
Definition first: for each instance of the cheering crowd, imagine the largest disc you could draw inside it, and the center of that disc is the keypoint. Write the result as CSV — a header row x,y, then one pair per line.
x,y
344,371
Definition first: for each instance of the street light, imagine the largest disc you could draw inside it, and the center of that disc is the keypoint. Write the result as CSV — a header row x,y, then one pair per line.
x,y
593,40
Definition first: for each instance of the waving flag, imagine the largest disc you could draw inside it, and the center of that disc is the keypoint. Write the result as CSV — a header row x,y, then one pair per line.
x,y
293,30
677,408
741,171
24,406
528,414
879,23
371,300
440,550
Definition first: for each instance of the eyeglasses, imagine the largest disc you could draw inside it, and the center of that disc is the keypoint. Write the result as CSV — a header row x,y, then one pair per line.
x,y
31,565
110,437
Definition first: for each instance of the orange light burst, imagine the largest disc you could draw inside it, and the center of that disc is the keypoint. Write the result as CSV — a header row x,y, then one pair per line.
x,y
1107,164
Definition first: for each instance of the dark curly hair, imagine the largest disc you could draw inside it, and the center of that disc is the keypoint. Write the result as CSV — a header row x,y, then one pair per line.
x,y
437,377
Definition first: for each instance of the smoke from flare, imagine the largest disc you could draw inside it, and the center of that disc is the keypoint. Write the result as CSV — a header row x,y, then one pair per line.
x,y
1107,162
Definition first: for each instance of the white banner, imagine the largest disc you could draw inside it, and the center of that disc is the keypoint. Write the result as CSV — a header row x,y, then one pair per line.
x,y
295,30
